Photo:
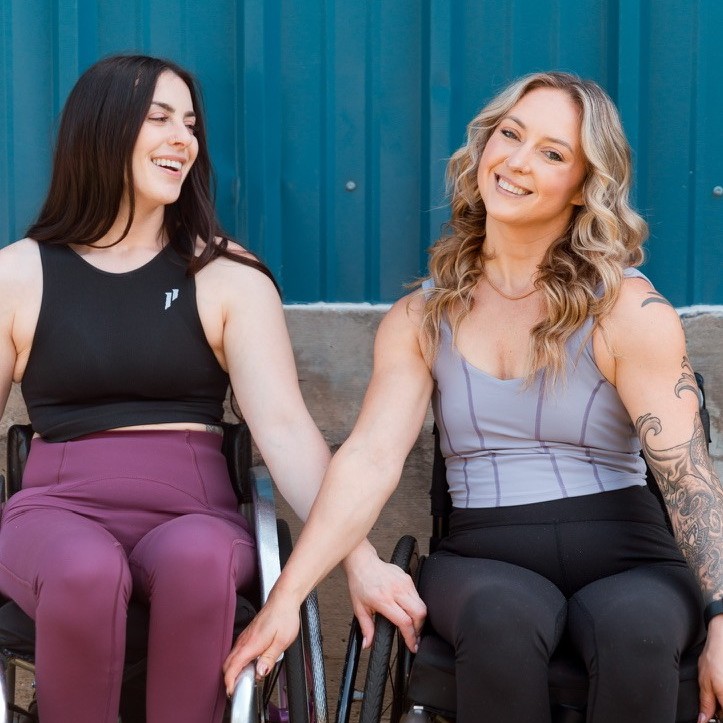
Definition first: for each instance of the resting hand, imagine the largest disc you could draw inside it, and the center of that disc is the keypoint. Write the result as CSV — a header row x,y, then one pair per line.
x,y
268,635
377,586
710,671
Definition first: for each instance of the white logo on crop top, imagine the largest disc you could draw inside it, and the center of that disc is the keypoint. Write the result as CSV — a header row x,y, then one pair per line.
x,y
171,296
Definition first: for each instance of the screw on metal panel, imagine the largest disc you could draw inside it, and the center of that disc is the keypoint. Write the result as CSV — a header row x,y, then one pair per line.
x,y
718,190
350,186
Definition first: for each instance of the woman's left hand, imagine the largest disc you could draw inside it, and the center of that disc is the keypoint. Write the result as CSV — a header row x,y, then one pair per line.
x,y
710,671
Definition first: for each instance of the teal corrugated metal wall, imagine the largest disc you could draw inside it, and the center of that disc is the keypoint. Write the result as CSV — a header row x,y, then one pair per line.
x,y
330,120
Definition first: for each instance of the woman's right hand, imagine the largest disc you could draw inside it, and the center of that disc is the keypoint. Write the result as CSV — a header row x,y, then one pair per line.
x,y
264,640
384,588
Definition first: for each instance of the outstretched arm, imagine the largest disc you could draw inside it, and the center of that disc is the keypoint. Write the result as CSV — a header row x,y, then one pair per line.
x,y
656,382
360,478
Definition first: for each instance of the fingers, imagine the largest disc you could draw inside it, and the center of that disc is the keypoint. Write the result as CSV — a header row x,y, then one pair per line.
x,y
263,641
708,700
366,623
407,613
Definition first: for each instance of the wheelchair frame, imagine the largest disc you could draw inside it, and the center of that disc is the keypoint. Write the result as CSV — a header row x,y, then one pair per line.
x,y
295,692
567,695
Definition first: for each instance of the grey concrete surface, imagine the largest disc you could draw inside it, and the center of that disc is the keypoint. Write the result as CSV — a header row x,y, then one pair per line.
x,y
333,348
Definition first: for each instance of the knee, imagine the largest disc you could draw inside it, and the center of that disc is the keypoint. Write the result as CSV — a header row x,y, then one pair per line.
x,y
641,635
87,586
512,615
174,554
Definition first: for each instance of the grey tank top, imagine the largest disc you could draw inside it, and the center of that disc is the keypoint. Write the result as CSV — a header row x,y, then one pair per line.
x,y
505,444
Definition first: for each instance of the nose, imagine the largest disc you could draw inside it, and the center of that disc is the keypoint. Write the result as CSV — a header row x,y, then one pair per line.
x,y
519,159
180,135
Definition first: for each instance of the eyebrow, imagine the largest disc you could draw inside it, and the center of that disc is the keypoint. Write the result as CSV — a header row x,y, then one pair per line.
x,y
547,138
171,109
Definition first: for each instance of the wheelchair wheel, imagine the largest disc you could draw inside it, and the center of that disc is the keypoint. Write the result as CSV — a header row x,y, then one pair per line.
x,y
303,666
405,555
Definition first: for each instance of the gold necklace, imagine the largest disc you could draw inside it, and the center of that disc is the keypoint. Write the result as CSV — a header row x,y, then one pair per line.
x,y
508,296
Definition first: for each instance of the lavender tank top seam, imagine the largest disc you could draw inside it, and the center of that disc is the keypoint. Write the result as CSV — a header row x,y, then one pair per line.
x,y
478,431
538,436
588,451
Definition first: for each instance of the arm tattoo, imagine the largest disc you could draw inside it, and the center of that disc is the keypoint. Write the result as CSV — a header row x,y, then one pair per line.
x,y
687,379
655,298
694,498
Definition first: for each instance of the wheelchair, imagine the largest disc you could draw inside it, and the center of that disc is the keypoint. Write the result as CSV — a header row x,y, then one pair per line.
x,y
294,692
423,688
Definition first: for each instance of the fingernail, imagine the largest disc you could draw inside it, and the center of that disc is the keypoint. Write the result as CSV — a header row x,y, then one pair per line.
x,y
262,668
702,718
364,643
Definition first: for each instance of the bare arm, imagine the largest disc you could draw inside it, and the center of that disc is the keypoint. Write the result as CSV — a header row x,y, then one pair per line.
x,y
259,357
656,383
360,478
260,362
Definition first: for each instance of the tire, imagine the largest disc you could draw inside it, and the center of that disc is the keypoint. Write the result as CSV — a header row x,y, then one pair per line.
x,y
384,635
314,653
294,665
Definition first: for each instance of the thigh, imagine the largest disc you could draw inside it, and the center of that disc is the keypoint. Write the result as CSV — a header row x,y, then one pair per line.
x,y
631,630
498,598
190,548
659,602
45,549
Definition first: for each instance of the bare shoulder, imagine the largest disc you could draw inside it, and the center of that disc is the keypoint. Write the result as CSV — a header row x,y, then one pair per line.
x,y
228,276
643,320
20,256
400,330
405,315
20,267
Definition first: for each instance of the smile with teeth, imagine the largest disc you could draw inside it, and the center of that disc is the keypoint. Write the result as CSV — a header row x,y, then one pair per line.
x,y
168,163
511,188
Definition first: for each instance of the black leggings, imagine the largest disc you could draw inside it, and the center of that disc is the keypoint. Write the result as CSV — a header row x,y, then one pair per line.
x,y
507,582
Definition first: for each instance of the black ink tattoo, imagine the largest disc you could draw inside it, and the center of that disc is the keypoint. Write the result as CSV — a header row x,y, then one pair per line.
x,y
693,495
655,298
687,379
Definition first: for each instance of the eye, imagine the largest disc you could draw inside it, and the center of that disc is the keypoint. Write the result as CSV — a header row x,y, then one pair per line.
x,y
158,118
191,128
553,155
509,133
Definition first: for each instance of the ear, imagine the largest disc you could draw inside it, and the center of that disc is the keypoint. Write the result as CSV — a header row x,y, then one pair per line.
x,y
579,198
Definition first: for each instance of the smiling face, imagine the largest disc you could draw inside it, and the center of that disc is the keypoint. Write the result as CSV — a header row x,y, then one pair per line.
x,y
166,146
532,169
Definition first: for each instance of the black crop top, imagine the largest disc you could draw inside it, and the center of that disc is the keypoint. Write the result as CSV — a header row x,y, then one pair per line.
x,y
114,350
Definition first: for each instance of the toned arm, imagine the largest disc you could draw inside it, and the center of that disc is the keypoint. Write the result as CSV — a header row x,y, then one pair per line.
x,y
360,478
655,381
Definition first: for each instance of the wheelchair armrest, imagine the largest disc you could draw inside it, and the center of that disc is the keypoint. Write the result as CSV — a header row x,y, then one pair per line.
x,y
267,541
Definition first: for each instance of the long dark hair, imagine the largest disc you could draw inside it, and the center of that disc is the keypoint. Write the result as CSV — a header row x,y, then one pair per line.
x,y
99,126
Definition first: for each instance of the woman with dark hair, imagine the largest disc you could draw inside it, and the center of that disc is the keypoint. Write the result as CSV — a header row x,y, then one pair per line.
x,y
550,360
124,314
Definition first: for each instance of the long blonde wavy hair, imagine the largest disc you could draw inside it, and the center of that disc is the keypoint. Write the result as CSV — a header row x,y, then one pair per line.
x,y
581,273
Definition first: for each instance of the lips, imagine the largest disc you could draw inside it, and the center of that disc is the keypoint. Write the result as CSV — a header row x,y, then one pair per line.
x,y
169,163
510,187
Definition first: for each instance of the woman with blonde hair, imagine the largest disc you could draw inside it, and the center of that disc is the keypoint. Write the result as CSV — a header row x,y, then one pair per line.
x,y
550,361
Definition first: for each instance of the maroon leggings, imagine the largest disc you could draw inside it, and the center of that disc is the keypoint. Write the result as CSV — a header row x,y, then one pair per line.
x,y
115,515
